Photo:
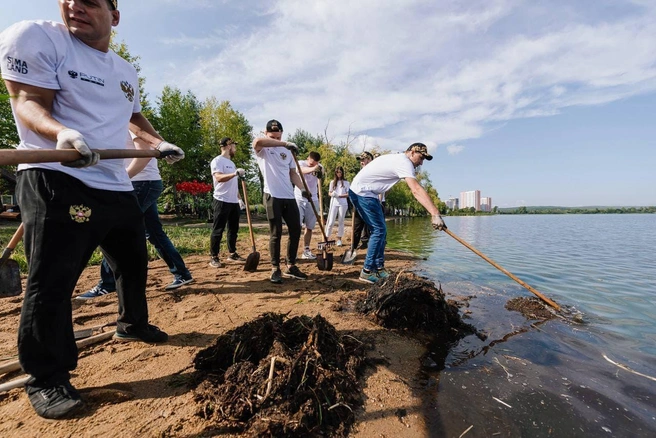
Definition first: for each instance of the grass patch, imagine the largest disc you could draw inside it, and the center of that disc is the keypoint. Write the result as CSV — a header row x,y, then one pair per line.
x,y
189,239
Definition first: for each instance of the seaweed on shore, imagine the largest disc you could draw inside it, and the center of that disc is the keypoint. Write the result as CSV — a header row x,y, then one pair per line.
x,y
409,302
275,376
530,307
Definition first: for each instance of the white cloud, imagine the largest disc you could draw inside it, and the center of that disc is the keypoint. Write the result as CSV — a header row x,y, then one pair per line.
x,y
410,71
454,149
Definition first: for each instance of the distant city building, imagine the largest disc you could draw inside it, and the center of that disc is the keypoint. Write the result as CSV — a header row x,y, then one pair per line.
x,y
452,203
471,199
486,204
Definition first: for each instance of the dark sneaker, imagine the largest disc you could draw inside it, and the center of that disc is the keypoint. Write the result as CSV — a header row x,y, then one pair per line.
x,y
150,334
178,282
215,262
96,292
276,276
54,402
383,274
369,277
294,272
235,258
363,245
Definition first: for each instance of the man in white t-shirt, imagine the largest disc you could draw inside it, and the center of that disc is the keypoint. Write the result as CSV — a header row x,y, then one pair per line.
x,y
312,171
225,202
376,178
278,168
69,91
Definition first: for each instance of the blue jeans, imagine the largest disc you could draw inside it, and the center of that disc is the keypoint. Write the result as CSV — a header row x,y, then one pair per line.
x,y
372,214
147,194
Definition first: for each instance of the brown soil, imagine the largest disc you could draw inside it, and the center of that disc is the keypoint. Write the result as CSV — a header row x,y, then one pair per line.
x,y
136,389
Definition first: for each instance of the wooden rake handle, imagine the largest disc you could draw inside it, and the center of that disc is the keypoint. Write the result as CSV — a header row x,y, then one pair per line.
x,y
509,274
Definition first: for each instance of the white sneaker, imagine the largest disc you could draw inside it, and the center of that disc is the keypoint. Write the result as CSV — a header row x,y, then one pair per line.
x,y
307,255
339,242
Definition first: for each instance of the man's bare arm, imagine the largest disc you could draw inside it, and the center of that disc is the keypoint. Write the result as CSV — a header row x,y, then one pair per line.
x,y
421,195
33,105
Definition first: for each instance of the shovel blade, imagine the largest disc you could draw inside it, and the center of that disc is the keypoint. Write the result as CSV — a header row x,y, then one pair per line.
x,y
348,258
325,261
10,281
252,261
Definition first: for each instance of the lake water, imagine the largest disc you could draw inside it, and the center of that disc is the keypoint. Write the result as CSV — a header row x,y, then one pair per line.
x,y
564,377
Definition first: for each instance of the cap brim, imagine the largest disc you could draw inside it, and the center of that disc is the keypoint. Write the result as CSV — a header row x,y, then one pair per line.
x,y
428,157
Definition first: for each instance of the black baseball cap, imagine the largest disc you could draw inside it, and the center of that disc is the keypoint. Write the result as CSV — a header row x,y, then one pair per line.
x,y
114,3
273,126
421,149
224,141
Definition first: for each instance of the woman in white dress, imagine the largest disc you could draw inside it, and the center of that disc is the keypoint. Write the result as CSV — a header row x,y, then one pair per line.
x,y
338,192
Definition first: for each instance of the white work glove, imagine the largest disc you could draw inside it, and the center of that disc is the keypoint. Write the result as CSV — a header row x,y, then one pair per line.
x,y
72,139
335,195
438,223
292,147
177,155
241,173
242,206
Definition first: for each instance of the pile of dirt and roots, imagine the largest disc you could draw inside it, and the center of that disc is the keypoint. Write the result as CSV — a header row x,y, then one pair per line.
x,y
279,376
409,302
530,307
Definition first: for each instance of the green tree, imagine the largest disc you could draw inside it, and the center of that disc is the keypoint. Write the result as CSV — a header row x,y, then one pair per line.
x,y
305,141
8,133
218,120
178,121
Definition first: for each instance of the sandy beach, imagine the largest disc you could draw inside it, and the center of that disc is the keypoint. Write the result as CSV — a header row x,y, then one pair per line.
x,y
136,389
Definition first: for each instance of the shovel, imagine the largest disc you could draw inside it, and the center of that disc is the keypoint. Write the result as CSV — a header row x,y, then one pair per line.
x,y
253,258
18,156
325,258
350,254
10,282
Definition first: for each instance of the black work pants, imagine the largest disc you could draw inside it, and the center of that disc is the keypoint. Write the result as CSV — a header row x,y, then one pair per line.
x,y
278,210
225,213
65,221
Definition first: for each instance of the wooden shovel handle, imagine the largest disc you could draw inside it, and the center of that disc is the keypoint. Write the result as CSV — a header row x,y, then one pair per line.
x,y
314,209
509,274
19,156
248,212
6,253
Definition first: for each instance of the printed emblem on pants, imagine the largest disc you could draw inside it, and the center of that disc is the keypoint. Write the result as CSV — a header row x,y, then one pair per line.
x,y
80,213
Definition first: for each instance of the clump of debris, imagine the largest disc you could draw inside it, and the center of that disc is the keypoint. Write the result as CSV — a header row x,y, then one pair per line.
x,y
530,307
409,302
279,376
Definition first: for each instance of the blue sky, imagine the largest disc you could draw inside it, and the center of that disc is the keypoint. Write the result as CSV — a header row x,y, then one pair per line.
x,y
533,103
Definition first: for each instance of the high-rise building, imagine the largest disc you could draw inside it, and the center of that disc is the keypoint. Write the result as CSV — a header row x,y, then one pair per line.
x,y
452,203
471,199
486,204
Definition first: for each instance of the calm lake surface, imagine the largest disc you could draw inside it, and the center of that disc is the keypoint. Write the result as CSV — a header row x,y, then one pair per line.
x,y
565,377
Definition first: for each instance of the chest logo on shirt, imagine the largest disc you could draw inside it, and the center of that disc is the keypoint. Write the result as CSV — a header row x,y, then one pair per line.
x,y
128,90
17,65
79,213
85,77
283,155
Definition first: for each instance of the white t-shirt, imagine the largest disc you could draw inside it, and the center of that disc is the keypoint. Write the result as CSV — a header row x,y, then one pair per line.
x,y
342,189
275,164
381,174
97,93
311,180
225,191
148,173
